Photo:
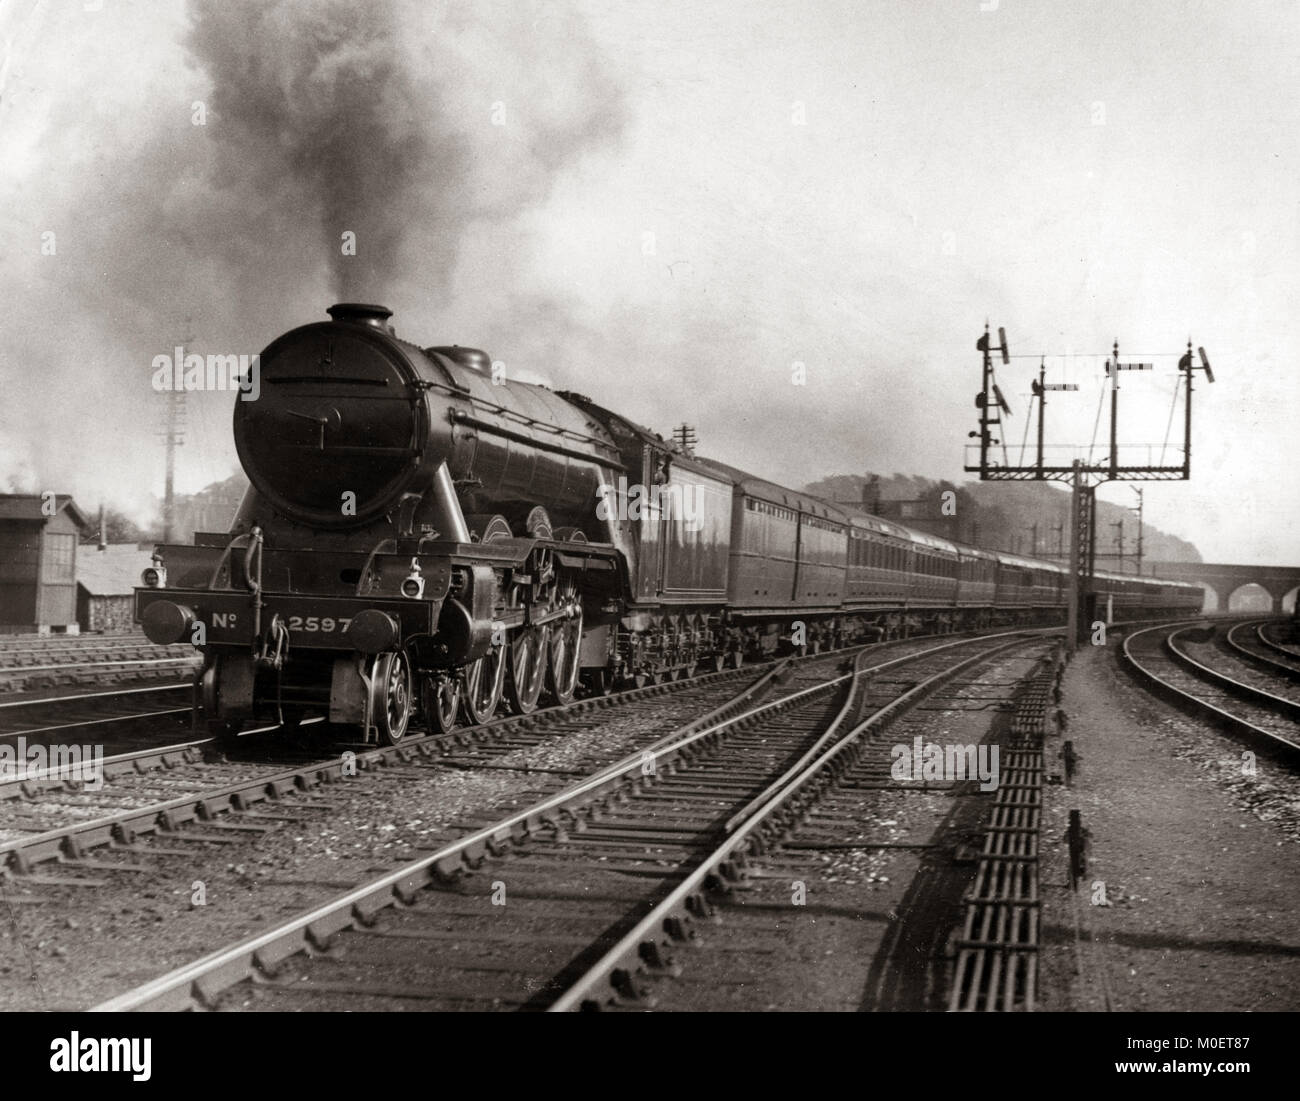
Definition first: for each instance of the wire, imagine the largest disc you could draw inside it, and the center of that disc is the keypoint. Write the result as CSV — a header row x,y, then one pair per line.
x,y
1168,427
1101,400
1025,438
1003,413
21,941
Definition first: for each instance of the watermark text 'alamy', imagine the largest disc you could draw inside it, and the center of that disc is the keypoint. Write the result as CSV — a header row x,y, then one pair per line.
x,y
179,371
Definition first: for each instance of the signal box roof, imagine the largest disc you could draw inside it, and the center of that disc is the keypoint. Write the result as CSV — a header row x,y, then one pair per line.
x,y
30,506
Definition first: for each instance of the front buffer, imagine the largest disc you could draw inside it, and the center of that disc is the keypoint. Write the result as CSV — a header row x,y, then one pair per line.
x,y
274,656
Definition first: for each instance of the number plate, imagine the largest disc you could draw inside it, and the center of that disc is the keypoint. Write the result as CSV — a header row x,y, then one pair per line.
x,y
313,622
324,623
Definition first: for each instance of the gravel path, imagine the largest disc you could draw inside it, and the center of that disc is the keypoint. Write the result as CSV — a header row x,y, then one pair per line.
x,y
1197,859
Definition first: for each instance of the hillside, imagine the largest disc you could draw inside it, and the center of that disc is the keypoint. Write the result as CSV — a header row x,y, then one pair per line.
x,y
1001,516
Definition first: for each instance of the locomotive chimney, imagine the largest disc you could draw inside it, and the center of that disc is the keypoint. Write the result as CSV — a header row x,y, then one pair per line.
x,y
362,313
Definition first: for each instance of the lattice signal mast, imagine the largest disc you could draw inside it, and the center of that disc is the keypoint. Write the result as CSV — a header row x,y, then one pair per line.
x,y
1083,475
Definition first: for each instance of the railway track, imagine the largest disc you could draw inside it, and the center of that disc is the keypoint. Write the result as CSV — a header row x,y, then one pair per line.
x,y
68,718
183,776
1173,660
46,670
179,790
21,648
1251,642
135,859
1273,635
558,905
820,806
145,727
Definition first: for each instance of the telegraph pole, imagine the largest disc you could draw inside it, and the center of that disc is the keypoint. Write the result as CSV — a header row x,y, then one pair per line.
x,y
1078,489
684,435
174,437
1042,404
1138,510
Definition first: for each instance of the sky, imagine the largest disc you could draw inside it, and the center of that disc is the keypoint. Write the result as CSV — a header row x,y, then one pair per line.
x,y
678,209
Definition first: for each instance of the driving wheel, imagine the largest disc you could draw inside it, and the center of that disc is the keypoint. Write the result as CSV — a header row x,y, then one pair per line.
x,y
481,691
565,660
442,702
528,653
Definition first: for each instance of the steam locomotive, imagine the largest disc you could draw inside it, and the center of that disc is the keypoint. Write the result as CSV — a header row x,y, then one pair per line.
x,y
422,535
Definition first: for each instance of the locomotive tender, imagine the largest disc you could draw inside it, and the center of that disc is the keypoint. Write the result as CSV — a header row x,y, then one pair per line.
x,y
421,536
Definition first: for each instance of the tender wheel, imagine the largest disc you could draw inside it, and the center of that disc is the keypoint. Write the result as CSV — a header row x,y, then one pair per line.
x,y
391,697
441,703
564,665
528,653
481,691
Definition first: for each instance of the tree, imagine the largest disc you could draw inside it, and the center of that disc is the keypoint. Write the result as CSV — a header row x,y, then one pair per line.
x,y
118,528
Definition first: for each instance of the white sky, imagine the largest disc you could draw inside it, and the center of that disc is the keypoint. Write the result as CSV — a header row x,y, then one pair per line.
x,y
1078,173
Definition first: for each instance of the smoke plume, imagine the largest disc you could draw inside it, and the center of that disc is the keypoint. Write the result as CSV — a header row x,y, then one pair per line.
x,y
400,124
280,156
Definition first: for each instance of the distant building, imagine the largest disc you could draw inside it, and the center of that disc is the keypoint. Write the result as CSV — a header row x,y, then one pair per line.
x,y
38,562
213,508
923,515
106,580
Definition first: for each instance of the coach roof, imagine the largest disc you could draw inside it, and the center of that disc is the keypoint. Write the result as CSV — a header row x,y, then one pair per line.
x,y
763,490
1027,563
